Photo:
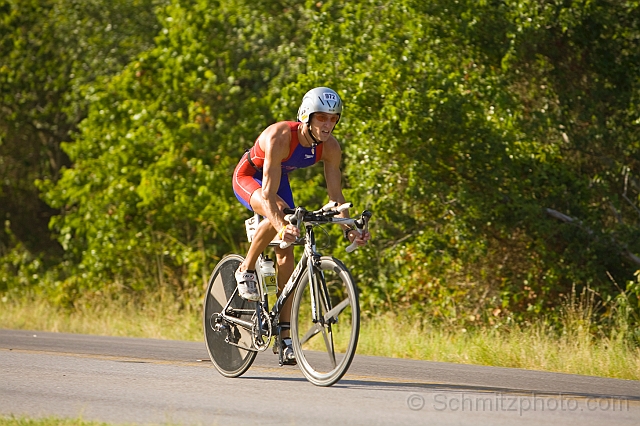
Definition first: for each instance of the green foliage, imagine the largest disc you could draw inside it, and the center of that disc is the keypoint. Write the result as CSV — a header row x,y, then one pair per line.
x,y
49,51
496,142
462,130
149,199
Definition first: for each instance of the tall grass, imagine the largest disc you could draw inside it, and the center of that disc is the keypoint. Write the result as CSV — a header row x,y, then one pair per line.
x,y
570,347
534,347
573,343
159,316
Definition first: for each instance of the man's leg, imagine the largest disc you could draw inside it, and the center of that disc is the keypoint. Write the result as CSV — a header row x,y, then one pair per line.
x,y
286,264
285,257
246,275
261,239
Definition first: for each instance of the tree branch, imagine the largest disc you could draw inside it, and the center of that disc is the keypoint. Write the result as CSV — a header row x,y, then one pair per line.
x,y
568,219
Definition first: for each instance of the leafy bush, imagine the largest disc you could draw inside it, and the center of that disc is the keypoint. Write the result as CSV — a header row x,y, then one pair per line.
x,y
496,142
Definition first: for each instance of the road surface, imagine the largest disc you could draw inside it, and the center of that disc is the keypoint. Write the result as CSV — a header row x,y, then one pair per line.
x,y
147,381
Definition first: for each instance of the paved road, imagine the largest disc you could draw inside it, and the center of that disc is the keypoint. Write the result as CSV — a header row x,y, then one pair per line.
x,y
125,380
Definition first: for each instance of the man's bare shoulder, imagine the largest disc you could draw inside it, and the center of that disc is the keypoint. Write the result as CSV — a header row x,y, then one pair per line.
x,y
331,150
281,128
333,144
276,137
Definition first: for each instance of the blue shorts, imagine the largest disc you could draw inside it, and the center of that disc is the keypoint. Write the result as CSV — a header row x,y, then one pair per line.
x,y
246,180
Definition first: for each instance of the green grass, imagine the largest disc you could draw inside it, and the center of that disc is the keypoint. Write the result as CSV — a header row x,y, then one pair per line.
x,y
55,421
534,347
159,318
46,421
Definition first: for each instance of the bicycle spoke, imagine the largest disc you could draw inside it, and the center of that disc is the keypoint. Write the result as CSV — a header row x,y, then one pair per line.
x,y
331,295
315,329
328,341
333,313
327,335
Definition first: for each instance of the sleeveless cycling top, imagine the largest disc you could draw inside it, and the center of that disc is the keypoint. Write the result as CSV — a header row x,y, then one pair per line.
x,y
299,156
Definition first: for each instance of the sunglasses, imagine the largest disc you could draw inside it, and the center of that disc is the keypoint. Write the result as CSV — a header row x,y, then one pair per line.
x,y
323,118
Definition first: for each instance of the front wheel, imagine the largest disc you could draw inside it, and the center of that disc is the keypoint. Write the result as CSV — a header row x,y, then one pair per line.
x,y
226,342
325,322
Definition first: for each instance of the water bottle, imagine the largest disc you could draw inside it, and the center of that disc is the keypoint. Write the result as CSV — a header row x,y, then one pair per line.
x,y
268,274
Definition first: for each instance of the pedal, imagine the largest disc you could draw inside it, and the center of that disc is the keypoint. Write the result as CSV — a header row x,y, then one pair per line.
x,y
277,350
220,327
217,324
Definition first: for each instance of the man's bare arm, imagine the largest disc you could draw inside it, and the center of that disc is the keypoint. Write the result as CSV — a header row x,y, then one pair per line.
x,y
275,142
332,156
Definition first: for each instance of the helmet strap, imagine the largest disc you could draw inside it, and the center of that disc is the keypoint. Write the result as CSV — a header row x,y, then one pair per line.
x,y
313,138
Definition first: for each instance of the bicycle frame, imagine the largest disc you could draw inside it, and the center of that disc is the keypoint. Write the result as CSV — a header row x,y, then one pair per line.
x,y
325,311
306,264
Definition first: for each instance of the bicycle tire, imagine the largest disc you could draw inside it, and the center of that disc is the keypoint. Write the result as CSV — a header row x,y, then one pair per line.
x,y
324,350
229,360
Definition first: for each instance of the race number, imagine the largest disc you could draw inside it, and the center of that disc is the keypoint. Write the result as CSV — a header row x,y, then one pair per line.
x,y
330,97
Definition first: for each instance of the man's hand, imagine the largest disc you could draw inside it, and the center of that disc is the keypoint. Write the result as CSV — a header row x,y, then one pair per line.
x,y
289,233
359,238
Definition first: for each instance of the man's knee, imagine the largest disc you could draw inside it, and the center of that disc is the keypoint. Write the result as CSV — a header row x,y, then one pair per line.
x,y
285,256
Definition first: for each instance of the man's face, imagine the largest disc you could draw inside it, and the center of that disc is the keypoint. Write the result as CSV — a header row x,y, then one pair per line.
x,y
322,124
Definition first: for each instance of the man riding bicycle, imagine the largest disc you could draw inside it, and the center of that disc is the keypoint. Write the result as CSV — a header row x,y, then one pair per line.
x,y
261,183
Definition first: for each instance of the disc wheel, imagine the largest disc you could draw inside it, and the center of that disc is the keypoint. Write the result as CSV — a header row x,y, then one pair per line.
x,y
225,341
325,346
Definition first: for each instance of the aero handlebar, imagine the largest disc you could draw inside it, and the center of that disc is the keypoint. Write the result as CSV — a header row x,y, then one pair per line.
x,y
327,214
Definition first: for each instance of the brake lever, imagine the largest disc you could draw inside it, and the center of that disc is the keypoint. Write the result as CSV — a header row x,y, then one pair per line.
x,y
294,219
362,225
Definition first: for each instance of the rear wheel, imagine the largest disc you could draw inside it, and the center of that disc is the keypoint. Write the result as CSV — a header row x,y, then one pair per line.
x,y
226,342
325,345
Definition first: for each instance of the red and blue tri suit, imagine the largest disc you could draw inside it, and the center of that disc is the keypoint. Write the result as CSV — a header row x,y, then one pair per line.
x,y
247,177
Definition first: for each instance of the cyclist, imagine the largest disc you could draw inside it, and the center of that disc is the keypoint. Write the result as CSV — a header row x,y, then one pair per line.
x,y
261,183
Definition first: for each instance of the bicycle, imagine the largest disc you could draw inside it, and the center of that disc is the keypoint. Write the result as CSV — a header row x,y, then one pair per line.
x,y
325,314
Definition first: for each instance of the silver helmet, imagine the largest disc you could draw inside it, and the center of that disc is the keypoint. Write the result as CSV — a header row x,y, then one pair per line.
x,y
320,99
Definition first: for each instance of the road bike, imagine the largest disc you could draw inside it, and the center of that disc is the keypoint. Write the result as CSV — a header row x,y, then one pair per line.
x,y
325,314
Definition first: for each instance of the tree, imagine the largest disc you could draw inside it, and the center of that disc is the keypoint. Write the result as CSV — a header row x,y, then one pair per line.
x,y
152,163
51,52
466,131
